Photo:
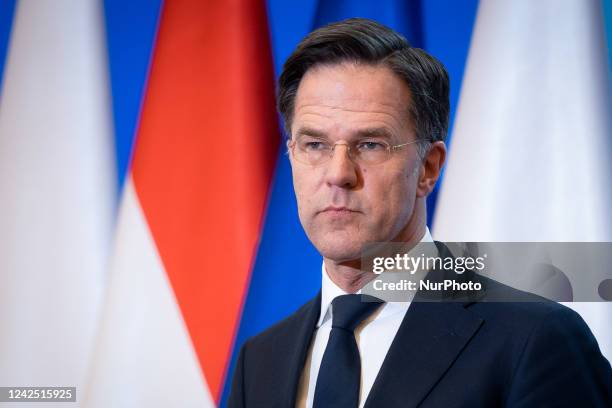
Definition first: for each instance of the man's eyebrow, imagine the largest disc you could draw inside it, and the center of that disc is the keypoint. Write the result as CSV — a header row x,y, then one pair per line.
x,y
308,131
375,132
361,133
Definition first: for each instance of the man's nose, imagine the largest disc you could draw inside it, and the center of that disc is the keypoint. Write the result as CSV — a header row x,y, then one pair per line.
x,y
341,169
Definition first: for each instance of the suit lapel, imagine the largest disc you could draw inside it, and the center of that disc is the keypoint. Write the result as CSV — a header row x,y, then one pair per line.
x,y
302,339
429,339
432,334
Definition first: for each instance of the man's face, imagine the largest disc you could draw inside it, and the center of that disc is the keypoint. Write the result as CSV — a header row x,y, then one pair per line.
x,y
345,205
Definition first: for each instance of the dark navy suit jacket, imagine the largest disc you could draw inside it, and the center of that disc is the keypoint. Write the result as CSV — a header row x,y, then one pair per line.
x,y
463,351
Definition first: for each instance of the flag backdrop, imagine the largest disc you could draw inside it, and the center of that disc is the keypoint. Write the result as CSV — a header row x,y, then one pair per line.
x,y
192,209
57,192
207,249
531,158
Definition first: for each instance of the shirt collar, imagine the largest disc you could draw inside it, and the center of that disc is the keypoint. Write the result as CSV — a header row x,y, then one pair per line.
x,y
330,291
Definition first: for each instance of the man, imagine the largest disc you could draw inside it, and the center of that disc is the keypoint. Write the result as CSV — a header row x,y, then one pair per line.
x,y
367,116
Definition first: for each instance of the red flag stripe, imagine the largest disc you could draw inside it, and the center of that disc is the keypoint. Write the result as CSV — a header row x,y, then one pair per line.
x,y
204,159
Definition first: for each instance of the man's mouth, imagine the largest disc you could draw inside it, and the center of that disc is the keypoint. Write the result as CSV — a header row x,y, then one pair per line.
x,y
334,210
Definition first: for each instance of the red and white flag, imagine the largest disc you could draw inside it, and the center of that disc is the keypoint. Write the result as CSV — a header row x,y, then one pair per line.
x,y
191,211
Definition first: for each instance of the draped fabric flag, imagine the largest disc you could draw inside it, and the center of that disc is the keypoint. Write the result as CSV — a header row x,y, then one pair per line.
x,y
192,208
57,192
530,157
155,317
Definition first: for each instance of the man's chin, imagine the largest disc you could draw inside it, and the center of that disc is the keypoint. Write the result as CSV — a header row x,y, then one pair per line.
x,y
340,253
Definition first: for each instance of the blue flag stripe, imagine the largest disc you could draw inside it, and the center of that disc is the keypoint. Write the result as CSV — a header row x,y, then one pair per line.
x,y
7,11
131,28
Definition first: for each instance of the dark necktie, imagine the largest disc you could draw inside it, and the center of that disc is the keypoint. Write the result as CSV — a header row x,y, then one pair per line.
x,y
340,373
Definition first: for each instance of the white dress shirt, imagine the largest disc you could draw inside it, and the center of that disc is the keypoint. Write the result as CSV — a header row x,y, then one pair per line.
x,y
374,337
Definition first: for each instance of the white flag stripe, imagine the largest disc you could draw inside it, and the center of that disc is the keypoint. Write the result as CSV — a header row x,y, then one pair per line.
x,y
530,154
57,192
144,356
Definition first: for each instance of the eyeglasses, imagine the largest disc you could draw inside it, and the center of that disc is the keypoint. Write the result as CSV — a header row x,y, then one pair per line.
x,y
315,151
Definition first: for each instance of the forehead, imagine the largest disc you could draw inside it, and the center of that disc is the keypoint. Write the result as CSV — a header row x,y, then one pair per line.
x,y
346,96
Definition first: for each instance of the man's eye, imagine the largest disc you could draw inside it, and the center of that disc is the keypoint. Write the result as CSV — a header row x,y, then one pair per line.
x,y
370,146
314,146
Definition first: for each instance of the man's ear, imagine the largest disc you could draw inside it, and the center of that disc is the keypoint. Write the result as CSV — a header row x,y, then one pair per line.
x,y
288,146
431,167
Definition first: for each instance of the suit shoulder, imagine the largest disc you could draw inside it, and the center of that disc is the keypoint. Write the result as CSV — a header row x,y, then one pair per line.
x,y
287,327
516,307
518,315
533,328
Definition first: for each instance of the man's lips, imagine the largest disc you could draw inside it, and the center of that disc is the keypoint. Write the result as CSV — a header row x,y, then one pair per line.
x,y
338,210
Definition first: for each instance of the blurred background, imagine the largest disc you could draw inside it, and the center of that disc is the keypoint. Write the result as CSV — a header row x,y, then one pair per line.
x,y
148,224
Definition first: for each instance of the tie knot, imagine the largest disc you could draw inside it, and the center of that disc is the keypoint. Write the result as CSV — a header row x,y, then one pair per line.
x,y
350,310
